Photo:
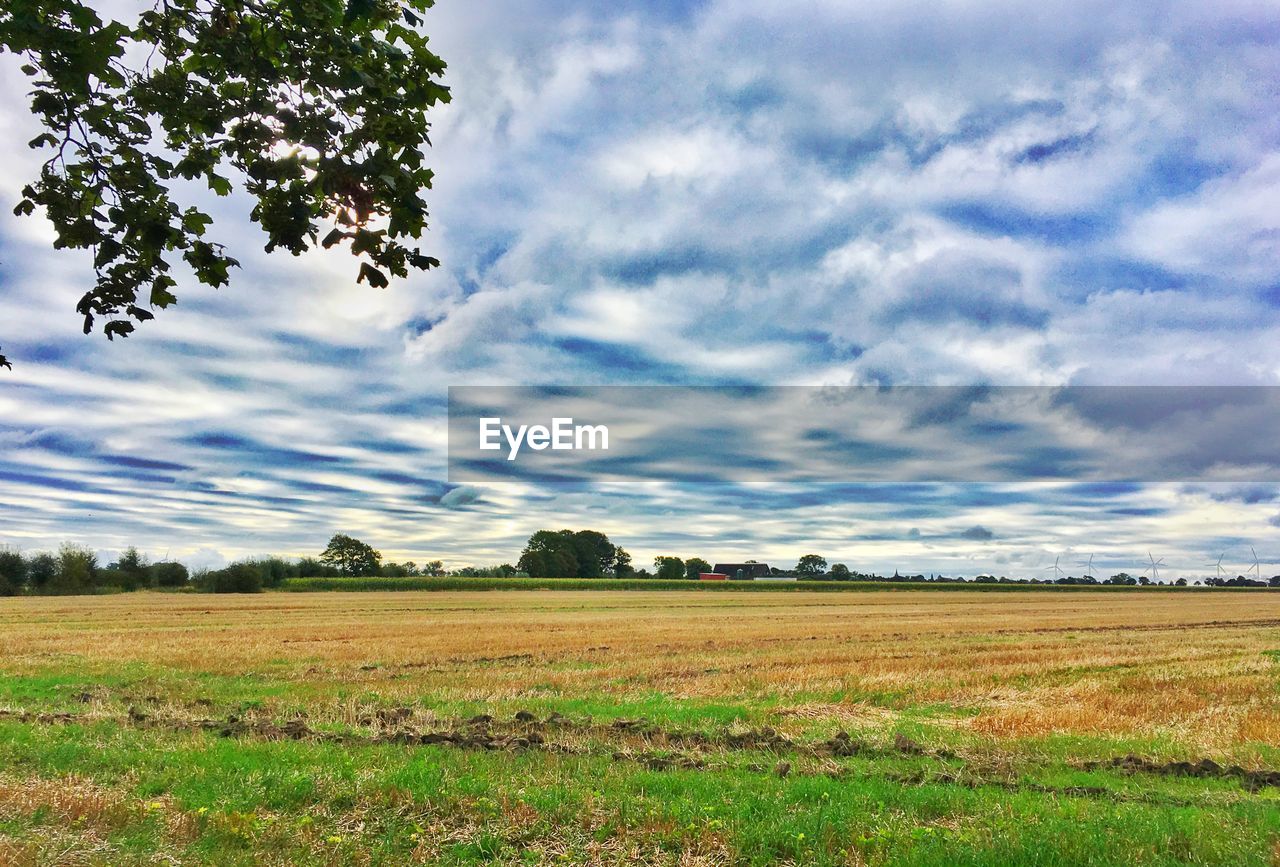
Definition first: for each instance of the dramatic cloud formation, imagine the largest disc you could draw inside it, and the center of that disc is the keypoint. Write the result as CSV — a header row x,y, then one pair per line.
x,y
707,193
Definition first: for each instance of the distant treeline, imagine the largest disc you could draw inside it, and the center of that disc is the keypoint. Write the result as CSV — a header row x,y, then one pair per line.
x,y
1121,579
550,554
74,569
813,567
374,584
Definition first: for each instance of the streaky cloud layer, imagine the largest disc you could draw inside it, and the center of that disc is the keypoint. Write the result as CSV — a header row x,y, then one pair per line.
x,y
707,193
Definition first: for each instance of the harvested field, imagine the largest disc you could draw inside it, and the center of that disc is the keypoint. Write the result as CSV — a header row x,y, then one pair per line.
x,y
654,727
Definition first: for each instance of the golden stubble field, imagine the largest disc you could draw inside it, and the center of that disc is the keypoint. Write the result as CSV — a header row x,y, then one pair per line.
x,y
1192,667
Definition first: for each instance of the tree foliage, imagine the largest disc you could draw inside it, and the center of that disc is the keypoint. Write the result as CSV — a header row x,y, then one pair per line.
x,y
133,564
77,569
570,554
550,554
13,572
242,577
668,568
811,564
42,571
169,574
350,556
316,108
694,567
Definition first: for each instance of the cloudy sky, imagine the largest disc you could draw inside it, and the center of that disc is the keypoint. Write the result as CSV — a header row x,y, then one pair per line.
x,y
816,193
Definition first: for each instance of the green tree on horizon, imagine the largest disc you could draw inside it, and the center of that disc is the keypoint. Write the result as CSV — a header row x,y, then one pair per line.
x,y
350,556
13,572
573,554
77,569
695,566
811,564
669,568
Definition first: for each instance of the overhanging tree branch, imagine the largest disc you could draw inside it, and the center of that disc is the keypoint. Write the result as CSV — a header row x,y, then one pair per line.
x,y
317,107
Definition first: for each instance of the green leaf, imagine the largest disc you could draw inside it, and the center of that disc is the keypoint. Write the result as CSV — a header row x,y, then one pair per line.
x,y
83,17
195,221
160,295
162,298
376,278
118,327
358,9
219,185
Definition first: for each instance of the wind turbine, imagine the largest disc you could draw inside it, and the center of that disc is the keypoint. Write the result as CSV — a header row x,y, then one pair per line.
x,y
1255,568
1057,573
1088,567
1221,571
1154,568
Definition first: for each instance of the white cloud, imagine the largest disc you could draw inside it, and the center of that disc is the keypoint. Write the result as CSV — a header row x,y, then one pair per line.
x,y
1229,228
746,192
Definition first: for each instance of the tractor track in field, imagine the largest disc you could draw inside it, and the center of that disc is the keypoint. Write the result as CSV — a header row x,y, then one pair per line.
x,y
1269,623
658,748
